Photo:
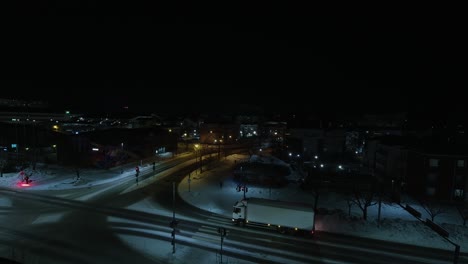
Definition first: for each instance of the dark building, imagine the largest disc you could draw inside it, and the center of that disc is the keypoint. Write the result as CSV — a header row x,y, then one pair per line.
x,y
422,168
111,147
387,157
24,143
438,172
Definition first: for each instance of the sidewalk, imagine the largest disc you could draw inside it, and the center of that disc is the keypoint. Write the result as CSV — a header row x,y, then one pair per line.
x,y
48,177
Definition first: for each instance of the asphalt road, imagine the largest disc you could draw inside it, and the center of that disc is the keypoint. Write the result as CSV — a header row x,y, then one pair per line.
x,y
63,227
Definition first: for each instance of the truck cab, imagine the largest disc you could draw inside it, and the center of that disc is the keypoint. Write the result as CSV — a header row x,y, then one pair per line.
x,y
239,212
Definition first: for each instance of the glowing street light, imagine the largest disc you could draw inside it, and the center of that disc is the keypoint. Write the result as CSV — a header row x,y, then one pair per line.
x,y
197,148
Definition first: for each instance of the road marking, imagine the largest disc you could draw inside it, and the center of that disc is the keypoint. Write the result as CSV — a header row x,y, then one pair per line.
x,y
48,218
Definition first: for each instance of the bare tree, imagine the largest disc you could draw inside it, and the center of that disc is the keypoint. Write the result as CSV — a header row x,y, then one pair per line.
x,y
463,209
362,194
2,166
432,207
316,193
350,203
317,186
314,183
364,199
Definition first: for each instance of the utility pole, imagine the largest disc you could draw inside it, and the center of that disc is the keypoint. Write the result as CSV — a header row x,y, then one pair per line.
x,y
222,233
243,185
201,161
189,180
380,202
174,222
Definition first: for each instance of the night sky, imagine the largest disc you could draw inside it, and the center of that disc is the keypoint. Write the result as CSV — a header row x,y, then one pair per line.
x,y
82,55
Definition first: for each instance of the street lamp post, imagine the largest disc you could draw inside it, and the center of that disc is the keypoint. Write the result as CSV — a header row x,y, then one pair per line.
x,y
199,153
222,233
174,222
219,148
243,184
218,142
189,180
201,160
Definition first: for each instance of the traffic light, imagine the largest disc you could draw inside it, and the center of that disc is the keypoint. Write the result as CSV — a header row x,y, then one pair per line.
x,y
222,231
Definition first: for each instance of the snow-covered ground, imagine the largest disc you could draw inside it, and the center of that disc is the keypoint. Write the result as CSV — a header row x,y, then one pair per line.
x,y
396,224
205,192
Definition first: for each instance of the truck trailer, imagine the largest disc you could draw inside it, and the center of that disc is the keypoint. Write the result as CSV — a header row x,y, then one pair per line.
x,y
285,217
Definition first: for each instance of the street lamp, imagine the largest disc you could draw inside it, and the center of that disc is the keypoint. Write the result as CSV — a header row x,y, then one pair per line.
x,y
219,142
198,153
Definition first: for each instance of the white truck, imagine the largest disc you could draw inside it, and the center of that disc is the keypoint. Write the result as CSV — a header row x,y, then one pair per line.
x,y
286,217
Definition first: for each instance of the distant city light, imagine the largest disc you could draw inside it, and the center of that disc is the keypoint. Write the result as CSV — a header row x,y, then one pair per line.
x,y
95,149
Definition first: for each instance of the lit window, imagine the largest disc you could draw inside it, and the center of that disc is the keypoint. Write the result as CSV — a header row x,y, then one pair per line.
x,y
460,163
433,163
458,193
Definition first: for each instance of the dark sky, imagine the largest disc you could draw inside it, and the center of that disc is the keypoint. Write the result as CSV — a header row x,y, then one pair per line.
x,y
150,56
